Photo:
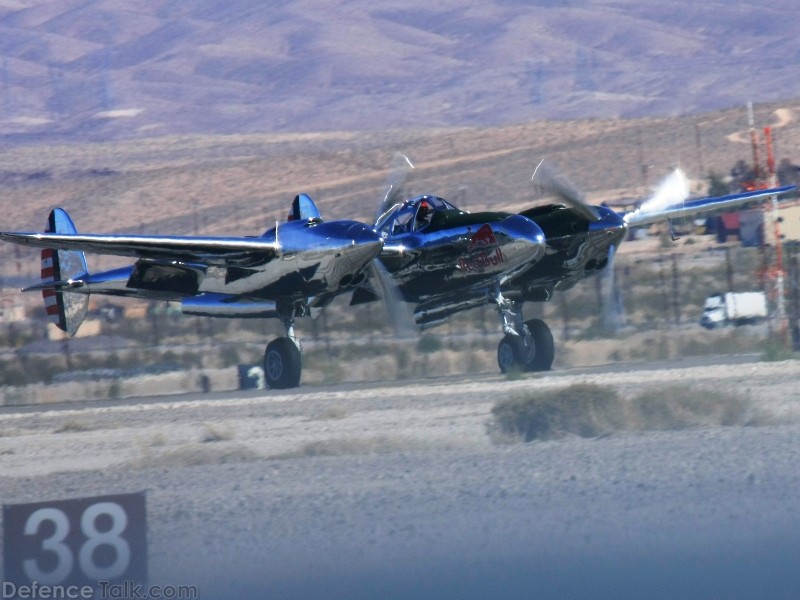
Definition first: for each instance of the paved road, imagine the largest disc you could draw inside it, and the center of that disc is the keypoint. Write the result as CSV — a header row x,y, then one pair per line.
x,y
396,492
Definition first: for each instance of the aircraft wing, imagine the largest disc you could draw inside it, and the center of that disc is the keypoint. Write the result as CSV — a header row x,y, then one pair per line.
x,y
701,205
215,251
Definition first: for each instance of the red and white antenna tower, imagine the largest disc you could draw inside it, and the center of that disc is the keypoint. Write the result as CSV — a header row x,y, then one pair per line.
x,y
766,178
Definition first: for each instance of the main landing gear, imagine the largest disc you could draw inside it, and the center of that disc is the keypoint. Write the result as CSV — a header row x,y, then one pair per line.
x,y
526,345
283,361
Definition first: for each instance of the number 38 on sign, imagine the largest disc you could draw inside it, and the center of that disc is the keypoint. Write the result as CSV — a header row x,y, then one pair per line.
x,y
76,542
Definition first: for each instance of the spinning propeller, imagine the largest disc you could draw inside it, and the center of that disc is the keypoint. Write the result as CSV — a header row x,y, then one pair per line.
x,y
670,193
398,174
547,179
380,283
399,312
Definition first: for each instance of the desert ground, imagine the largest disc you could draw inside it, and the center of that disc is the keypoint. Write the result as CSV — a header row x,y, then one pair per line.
x,y
407,489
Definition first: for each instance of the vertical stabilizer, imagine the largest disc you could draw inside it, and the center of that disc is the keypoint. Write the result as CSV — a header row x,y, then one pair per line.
x,y
67,310
304,209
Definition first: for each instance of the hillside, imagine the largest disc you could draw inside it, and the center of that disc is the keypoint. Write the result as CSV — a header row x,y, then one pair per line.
x,y
105,69
242,184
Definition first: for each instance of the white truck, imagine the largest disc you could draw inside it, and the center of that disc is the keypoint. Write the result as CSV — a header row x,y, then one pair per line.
x,y
734,308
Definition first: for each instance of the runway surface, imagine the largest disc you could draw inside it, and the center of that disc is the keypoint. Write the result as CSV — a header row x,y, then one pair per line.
x,y
395,490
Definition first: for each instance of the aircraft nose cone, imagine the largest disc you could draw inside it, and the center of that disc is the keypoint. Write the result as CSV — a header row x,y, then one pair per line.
x,y
362,234
529,237
367,241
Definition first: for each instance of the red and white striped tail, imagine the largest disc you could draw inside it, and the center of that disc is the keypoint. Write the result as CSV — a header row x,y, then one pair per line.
x,y
66,309
54,313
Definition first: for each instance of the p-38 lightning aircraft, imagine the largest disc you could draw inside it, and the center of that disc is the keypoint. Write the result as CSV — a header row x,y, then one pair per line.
x,y
445,260
292,270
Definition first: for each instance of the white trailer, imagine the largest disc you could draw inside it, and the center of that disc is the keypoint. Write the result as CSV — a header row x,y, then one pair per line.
x,y
734,308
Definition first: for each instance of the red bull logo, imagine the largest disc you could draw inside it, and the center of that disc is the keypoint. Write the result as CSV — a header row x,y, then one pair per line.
x,y
481,257
482,239
481,261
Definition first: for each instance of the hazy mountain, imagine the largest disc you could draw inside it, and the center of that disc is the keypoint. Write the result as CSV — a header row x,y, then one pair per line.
x,y
97,69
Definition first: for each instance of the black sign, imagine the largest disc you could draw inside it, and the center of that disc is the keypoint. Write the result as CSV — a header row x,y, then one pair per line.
x,y
76,542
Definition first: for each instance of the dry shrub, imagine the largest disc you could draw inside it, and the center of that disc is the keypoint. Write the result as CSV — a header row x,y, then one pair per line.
x,y
331,412
682,407
216,432
351,447
589,410
551,414
195,454
73,425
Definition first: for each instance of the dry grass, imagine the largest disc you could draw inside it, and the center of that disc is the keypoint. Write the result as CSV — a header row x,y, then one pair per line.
x,y
73,425
352,447
196,454
331,413
216,432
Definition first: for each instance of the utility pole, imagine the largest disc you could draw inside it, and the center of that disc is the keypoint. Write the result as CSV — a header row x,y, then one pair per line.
x,y
642,166
699,142
676,305
729,268
794,284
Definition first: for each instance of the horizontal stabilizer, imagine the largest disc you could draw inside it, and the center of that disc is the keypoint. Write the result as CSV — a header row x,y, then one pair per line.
x,y
54,285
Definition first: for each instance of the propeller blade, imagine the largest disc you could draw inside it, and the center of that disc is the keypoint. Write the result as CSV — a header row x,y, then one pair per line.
x,y
398,311
398,174
550,181
612,306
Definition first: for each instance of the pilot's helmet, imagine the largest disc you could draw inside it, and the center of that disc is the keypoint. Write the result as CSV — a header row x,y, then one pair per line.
x,y
424,211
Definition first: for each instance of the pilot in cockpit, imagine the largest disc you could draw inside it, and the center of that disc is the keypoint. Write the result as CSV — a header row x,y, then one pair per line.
x,y
424,215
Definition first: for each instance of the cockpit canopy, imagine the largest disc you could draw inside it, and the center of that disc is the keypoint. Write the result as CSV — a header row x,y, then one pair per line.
x,y
412,215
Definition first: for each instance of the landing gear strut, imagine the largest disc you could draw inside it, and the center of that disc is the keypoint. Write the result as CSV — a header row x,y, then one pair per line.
x,y
283,362
526,345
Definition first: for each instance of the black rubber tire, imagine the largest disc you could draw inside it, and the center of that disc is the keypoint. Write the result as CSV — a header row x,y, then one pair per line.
x,y
282,364
511,354
545,347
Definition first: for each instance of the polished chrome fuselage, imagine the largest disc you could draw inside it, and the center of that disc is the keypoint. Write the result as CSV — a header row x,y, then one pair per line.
x,y
459,267
430,265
